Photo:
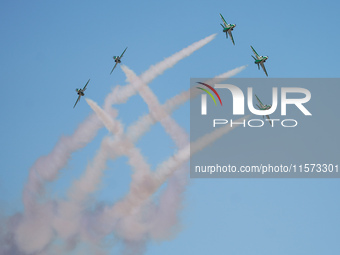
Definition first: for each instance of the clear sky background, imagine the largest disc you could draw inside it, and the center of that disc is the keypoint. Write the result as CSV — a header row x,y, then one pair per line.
x,y
50,48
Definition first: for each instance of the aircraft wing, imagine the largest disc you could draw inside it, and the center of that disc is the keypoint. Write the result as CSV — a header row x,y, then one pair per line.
x,y
77,101
264,69
123,52
257,55
225,23
114,68
262,106
86,85
231,36
269,120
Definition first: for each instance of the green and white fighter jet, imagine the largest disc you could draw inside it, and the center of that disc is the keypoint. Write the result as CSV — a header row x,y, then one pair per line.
x,y
227,28
259,60
81,93
117,60
263,107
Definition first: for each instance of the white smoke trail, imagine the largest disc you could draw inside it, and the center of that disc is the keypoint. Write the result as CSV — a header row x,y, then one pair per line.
x,y
165,214
121,94
153,105
177,133
47,167
170,105
226,75
176,187
148,97
149,185
164,65
164,217
70,211
134,132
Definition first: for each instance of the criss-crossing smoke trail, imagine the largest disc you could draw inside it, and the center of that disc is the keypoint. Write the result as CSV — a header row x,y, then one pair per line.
x,y
46,168
69,220
131,225
123,144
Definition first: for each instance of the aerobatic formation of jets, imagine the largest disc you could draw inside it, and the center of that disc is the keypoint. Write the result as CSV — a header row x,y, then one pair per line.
x,y
227,29
259,60
81,93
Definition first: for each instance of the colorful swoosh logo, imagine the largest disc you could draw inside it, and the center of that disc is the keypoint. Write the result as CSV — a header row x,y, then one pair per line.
x,y
209,93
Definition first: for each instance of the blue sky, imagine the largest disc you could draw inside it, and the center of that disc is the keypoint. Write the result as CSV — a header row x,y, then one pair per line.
x,y
49,48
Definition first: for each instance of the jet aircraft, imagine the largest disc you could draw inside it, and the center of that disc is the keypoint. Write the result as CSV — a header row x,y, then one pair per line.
x,y
263,107
117,60
81,93
259,60
227,28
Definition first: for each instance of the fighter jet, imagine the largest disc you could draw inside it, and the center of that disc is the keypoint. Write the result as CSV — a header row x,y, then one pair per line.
x,y
259,60
263,107
227,28
117,60
80,92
